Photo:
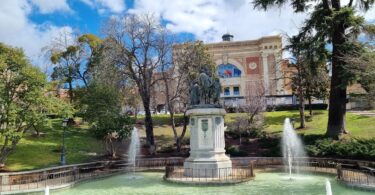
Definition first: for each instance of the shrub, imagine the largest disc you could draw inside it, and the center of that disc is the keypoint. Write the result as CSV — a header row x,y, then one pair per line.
x,y
354,148
235,151
287,107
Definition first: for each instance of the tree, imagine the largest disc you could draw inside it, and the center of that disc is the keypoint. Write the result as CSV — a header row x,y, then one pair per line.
x,y
334,23
178,75
317,84
21,93
255,105
362,63
102,105
49,105
74,58
138,46
307,76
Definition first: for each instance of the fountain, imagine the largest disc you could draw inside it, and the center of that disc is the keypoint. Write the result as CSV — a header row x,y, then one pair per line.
x,y
133,148
292,147
328,187
46,191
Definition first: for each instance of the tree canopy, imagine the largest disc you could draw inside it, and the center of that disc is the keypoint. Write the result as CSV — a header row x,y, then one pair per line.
x,y
21,97
331,22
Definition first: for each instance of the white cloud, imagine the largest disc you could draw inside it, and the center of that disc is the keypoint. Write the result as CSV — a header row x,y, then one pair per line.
x,y
209,19
18,31
50,6
114,6
370,15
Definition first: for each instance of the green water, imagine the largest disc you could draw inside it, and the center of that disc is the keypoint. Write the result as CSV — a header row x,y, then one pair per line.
x,y
271,183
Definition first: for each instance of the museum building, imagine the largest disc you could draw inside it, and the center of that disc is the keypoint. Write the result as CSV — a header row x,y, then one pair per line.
x,y
247,67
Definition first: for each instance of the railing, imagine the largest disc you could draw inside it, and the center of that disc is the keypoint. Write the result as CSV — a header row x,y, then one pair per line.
x,y
353,172
364,178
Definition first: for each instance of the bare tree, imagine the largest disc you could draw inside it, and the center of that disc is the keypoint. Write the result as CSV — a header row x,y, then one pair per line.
x,y
138,46
253,106
255,101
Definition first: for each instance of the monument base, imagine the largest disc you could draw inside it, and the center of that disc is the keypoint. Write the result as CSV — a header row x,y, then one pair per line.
x,y
207,154
207,168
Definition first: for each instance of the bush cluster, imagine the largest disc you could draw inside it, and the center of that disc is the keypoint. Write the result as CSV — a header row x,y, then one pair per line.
x,y
235,151
363,149
287,107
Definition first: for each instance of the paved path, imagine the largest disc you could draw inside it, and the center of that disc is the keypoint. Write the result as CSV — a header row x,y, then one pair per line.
x,y
363,112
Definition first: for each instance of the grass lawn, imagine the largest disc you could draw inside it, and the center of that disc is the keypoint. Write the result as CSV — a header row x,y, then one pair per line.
x,y
358,126
38,152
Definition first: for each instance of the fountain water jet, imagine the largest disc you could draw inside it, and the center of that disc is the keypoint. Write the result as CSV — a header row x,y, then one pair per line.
x,y
46,191
292,146
328,187
133,148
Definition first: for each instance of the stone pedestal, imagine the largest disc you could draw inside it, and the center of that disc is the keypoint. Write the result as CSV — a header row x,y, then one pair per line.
x,y
207,145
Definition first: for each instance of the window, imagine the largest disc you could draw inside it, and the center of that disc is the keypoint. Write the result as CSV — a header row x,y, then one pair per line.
x,y
228,71
226,91
236,90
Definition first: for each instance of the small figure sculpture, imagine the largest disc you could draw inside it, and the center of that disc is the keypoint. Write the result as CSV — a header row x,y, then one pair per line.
x,y
205,83
194,94
215,90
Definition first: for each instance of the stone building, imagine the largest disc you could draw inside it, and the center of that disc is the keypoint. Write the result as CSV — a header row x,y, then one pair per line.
x,y
246,67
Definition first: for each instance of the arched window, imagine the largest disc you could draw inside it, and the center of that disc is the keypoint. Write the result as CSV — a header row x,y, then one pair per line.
x,y
228,71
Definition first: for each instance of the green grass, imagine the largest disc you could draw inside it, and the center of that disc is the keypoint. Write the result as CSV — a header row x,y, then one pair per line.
x,y
357,125
38,152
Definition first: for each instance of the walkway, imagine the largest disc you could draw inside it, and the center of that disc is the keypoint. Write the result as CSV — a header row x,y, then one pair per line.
x,y
370,113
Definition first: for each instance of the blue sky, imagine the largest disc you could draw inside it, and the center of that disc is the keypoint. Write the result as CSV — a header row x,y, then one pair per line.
x,y
33,24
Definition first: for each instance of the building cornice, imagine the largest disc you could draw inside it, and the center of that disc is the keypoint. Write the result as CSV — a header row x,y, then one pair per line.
x,y
256,42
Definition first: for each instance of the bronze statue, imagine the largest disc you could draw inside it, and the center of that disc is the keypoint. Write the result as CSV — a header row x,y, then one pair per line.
x,y
205,92
205,83
215,90
194,94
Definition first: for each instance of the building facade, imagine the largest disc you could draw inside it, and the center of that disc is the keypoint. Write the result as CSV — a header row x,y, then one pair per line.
x,y
251,67
245,68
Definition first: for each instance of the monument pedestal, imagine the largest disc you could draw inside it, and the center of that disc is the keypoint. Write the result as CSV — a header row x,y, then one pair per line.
x,y
207,145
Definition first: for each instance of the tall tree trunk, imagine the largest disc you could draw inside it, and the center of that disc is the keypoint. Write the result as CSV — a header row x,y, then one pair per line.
x,y
310,105
301,111
301,100
337,98
149,125
186,121
70,91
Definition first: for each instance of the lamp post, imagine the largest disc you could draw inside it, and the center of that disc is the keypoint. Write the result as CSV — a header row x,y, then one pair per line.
x,y
62,157
293,120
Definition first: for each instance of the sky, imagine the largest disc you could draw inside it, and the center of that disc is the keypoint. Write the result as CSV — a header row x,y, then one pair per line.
x,y
33,24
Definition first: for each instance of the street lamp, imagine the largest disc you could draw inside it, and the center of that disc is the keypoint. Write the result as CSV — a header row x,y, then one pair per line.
x,y
293,120
62,157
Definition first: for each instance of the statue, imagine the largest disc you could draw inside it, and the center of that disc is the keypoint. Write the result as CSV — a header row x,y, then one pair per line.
x,y
205,91
204,83
215,90
194,94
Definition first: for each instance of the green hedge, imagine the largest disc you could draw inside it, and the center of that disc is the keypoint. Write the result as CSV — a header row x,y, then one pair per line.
x,y
296,107
235,151
354,148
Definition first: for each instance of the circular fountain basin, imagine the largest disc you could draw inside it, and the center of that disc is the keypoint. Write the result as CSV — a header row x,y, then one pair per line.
x,y
264,183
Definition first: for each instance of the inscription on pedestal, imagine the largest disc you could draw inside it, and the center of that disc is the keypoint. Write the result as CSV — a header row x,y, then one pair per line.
x,y
205,134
